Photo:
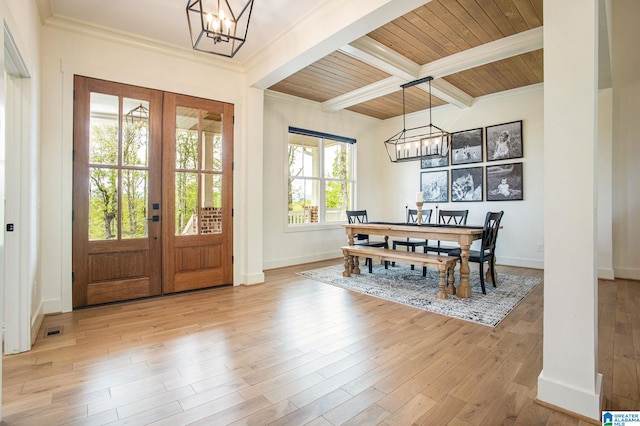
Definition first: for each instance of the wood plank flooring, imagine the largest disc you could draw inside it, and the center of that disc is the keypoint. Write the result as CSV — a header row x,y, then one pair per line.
x,y
294,351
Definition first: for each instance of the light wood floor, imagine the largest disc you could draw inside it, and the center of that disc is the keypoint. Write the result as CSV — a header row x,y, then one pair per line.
x,y
294,351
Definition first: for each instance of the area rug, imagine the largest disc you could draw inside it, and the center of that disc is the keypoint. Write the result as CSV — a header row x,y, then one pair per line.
x,y
402,285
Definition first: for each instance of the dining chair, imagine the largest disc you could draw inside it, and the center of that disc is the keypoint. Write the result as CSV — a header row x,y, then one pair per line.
x,y
412,243
360,216
448,217
487,247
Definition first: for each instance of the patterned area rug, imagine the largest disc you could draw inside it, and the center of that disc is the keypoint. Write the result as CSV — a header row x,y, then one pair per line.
x,y
402,285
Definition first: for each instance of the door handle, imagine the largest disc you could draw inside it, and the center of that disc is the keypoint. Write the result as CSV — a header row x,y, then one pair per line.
x,y
154,218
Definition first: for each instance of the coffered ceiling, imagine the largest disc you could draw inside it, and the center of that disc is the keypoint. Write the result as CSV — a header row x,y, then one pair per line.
x,y
472,48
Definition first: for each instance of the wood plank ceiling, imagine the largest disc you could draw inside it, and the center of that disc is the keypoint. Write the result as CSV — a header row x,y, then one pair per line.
x,y
455,41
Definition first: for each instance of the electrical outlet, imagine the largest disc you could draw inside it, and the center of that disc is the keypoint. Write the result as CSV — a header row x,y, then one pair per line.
x,y
540,247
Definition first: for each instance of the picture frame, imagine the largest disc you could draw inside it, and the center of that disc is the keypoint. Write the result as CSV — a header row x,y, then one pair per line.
x,y
504,182
466,147
435,186
432,152
467,184
504,141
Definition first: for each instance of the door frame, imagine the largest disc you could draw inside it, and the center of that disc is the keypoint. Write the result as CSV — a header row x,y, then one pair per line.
x,y
17,281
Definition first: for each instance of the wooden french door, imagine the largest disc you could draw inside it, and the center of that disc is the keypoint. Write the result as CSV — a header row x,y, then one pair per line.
x,y
198,189
152,192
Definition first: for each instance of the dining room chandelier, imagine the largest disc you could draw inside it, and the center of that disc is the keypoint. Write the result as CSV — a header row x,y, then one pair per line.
x,y
218,28
417,143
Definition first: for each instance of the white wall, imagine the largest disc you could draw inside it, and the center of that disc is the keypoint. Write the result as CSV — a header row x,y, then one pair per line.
x,y
384,188
112,57
626,136
283,247
522,222
21,18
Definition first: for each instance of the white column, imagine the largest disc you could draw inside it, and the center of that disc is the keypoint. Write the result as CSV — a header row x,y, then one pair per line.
x,y
569,378
252,190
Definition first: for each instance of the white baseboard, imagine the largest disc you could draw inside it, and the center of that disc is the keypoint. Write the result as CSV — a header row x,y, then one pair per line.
x,y
251,279
523,263
36,322
51,306
627,273
606,274
291,261
570,397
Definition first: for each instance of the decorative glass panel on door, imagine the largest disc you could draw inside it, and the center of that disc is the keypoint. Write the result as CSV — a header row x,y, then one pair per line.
x,y
198,190
119,167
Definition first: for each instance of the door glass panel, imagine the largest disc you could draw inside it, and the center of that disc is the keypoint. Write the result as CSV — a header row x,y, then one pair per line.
x,y
118,208
134,203
198,206
211,210
103,204
103,139
135,138
186,203
212,142
186,138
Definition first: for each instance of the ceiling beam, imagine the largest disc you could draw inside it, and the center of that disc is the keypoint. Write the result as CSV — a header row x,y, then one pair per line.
x,y
332,24
380,56
517,44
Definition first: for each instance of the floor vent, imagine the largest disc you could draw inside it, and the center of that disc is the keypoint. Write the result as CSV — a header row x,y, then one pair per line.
x,y
53,331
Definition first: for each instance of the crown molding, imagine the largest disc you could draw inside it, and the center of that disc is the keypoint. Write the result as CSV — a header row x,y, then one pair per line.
x,y
98,32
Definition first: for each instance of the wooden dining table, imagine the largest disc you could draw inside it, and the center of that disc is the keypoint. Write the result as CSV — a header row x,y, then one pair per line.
x,y
464,235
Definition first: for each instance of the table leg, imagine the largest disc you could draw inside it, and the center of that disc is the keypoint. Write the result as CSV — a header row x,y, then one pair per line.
x,y
356,265
464,289
451,288
442,294
348,260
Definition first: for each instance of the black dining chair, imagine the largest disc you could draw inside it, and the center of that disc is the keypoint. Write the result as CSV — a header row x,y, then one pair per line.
x,y
412,243
448,217
360,216
487,247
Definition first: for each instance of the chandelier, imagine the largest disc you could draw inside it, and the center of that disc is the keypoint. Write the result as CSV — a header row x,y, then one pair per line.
x,y
217,27
418,143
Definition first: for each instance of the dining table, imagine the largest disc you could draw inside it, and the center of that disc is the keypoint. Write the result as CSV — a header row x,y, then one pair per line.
x,y
463,235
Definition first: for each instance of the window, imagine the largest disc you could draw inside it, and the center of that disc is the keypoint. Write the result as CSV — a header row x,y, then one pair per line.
x,y
320,178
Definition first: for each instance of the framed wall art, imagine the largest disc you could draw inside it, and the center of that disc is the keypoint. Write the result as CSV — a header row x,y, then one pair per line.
x,y
434,186
466,147
466,184
504,182
504,141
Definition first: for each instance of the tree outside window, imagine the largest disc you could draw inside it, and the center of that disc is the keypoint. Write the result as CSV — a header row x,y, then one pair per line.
x,y
320,181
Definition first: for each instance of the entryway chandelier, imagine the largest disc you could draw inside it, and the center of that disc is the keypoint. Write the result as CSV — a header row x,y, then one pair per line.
x,y
218,28
418,143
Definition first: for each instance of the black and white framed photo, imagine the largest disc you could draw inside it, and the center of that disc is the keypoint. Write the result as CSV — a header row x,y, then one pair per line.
x,y
434,186
466,147
504,141
504,182
466,184
435,152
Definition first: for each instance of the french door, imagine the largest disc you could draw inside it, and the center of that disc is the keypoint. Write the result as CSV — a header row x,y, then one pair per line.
x,y
152,192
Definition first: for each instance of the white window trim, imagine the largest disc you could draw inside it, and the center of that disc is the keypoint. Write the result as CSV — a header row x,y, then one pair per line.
x,y
318,226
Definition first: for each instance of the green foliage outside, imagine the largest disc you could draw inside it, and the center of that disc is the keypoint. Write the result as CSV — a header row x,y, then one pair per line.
x,y
337,190
186,183
104,217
